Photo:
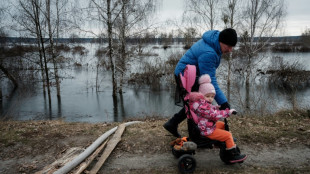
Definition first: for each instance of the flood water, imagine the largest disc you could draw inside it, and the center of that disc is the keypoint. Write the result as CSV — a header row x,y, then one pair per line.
x,y
81,103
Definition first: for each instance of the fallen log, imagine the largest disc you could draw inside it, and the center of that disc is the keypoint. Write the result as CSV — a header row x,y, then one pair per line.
x,y
108,150
68,156
76,161
88,161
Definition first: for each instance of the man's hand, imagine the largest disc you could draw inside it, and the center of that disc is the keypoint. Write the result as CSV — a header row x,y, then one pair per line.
x,y
232,111
224,106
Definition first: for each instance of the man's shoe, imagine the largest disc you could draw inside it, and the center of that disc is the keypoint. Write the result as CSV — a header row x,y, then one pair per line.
x,y
172,128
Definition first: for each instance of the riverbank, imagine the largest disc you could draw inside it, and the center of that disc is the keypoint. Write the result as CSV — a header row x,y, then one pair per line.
x,y
277,143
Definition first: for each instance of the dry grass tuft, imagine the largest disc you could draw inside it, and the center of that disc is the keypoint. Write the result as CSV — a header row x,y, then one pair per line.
x,y
282,128
47,140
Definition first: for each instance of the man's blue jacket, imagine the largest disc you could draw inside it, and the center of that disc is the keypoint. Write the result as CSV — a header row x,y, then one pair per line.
x,y
205,54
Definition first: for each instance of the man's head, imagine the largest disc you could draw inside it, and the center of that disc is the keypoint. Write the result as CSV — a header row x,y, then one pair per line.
x,y
228,39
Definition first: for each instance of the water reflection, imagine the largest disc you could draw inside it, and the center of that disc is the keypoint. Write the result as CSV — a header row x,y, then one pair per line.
x,y
80,101
77,104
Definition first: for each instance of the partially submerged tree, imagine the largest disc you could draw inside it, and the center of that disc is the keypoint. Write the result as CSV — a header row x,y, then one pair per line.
x,y
133,21
41,19
229,14
121,20
189,37
32,21
54,14
261,20
3,35
288,77
305,37
106,12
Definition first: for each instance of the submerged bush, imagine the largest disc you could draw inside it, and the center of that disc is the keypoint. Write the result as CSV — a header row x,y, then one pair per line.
x,y
290,47
79,50
150,76
17,50
62,47
288,76
155,74
100,52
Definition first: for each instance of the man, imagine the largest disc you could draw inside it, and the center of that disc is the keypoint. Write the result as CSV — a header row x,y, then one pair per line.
x,y
205,54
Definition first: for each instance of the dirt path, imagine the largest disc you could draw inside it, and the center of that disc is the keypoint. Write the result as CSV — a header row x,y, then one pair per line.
x,y
275,144
267,157
264,159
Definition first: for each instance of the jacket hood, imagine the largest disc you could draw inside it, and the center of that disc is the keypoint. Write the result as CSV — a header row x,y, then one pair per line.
x,y
212,38
195,96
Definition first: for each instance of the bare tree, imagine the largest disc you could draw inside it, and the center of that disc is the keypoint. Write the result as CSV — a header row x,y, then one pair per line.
x,y
36,20
107,12
30,20
51,41
3,36
305,37
204,12
189,36
121,19
40,18
133,21
261,19
122,37
53,23
229,13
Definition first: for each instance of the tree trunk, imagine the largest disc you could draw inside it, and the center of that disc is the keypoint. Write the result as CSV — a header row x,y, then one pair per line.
x,y
293,97
110,38
228,77
1,96
9,75
46,74
247,89
37,23
50,34
41,64
41,41
97,76
123,46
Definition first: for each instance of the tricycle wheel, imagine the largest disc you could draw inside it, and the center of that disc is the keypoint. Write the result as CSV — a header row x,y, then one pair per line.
x,y
187,164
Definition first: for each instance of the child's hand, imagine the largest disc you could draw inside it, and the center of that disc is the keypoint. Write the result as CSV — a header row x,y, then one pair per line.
x,y
232,111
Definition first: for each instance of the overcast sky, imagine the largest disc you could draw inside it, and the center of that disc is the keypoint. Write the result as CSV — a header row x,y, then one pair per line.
x,y
296,21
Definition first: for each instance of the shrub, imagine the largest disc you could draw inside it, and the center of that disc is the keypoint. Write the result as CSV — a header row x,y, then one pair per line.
x,y
288,76
62,47
79,50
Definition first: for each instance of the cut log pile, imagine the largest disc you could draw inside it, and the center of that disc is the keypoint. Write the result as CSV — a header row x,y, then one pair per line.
x,y
75,162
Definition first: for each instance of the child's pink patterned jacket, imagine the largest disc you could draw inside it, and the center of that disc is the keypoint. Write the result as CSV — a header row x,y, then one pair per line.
x,y
207,113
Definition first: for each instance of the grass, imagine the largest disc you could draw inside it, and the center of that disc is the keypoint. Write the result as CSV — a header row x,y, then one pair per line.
x,y
50,138
282,128
32,132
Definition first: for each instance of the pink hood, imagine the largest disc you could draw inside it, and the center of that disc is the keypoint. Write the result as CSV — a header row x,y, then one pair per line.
x,y
195,96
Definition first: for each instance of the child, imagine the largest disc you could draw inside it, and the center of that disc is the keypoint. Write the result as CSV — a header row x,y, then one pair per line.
x,y
208,115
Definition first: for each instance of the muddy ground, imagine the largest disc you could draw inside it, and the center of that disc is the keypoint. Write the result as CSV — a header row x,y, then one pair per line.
x,y
274,144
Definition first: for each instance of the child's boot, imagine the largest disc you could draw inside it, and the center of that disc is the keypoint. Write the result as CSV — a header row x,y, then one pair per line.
x,y
235,156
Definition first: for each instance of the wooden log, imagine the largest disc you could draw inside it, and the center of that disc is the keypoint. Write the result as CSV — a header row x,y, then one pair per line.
x,y
86,163
88,151
108,150
68,156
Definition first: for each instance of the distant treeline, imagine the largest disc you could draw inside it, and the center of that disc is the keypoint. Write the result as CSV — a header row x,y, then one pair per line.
x,y
130,40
